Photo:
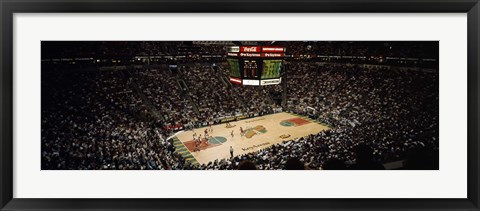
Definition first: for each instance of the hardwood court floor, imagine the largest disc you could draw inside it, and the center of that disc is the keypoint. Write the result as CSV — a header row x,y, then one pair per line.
x,y
261,132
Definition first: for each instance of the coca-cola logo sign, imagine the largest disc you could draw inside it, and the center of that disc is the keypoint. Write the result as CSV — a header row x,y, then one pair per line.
x,y
250,49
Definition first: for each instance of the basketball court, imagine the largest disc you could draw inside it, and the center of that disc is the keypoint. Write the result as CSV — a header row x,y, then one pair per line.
x,y
259,132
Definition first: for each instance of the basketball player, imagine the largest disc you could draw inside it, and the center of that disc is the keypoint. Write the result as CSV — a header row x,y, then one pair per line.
x,y
241,131
194,135
231,133
210,128
196,146
231,152
200,141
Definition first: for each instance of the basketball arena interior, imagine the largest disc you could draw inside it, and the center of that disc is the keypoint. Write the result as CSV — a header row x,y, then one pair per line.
x,y
240,105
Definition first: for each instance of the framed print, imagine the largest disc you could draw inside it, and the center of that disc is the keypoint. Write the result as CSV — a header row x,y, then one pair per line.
x,y
261,105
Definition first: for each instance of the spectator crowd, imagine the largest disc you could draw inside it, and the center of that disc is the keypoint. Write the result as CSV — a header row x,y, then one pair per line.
x,y
122,118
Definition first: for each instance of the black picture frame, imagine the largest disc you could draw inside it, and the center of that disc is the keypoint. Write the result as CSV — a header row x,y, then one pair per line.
x,y
9,7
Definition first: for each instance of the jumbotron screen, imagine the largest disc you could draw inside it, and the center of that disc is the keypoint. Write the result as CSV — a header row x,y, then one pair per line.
x,y
234,68
255,65
271,68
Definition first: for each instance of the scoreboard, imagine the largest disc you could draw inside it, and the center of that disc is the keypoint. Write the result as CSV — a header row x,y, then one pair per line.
x,y
255,65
